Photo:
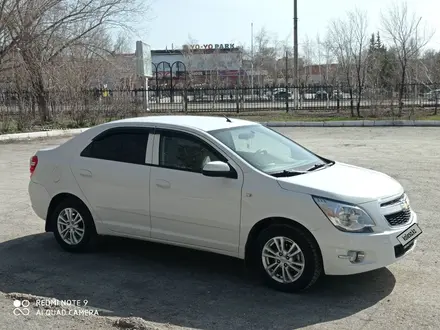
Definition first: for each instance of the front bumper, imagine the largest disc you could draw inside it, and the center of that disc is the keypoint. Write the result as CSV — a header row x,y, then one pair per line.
x,y
380,249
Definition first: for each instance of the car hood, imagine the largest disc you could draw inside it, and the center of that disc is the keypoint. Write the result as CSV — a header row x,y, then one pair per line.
x,y
344,182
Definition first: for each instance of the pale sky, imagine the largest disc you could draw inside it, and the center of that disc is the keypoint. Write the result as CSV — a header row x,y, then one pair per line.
x,y
229,21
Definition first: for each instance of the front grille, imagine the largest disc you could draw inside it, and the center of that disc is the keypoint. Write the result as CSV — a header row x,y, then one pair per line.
x,y
399,218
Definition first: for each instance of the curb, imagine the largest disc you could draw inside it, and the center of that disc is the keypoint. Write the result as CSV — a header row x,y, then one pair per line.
x,y
5,138
356,123
346,123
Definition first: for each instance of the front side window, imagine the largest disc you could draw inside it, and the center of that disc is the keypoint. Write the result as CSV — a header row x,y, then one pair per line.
x,y
266,150
184,152
122,147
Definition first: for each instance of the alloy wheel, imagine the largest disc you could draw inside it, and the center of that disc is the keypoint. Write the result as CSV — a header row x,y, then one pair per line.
x,y
283,259
71,226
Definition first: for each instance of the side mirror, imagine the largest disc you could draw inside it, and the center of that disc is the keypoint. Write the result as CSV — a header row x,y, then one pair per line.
x,y
219,169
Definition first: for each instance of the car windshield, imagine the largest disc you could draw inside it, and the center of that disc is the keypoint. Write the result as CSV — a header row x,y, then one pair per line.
x,y
267,150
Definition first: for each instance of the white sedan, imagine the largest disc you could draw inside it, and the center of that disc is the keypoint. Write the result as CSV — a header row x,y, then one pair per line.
x,y
227,186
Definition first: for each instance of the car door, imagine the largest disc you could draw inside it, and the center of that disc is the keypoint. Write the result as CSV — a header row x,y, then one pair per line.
x,y
186,206
113,174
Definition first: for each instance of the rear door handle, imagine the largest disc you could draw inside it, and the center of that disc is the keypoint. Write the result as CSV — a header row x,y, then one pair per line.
x,y
163,184
85,173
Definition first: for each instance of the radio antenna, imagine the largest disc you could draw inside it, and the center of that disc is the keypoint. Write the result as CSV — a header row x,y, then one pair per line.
x,y
227,119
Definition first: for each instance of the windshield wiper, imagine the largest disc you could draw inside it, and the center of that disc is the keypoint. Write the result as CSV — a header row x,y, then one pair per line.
x,y
316,166
286,173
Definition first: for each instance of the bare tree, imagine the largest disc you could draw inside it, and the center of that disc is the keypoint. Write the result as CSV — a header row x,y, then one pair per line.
x,y
194,63
285,58
340,36
428,74
318,57
323,56
403,31
9,40
76,79
428,68
122,43
44,30
350,41
359,49
308,49
330,72
265,53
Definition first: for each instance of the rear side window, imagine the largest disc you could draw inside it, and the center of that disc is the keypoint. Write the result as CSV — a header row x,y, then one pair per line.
x,y
125,147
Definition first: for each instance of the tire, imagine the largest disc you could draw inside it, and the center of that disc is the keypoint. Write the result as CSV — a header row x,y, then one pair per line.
x,y
84,225
301,278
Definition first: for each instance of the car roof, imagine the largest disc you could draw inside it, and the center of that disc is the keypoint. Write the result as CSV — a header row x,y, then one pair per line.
x,y
203,123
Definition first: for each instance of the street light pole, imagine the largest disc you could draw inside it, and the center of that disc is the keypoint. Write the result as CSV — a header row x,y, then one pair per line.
x,y
295,42
417,60
252,58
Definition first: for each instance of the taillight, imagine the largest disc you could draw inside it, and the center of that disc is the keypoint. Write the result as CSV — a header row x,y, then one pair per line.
x,y
33,164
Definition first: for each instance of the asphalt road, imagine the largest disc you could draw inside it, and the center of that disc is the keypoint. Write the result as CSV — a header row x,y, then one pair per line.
x,y
176,288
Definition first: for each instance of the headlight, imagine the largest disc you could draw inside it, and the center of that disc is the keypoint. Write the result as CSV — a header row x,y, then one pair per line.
x,y
345,217
406,198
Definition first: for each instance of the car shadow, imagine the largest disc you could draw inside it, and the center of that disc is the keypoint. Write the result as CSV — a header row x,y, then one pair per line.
x,y
179,286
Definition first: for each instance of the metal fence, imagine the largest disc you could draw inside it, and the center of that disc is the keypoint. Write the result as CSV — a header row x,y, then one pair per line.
x,y
290,98
117,103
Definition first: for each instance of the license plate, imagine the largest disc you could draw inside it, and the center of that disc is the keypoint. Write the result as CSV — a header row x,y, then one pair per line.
x,y
409,235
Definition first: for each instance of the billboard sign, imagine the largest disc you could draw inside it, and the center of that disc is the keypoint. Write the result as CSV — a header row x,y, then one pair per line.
x,y
144,66
210,46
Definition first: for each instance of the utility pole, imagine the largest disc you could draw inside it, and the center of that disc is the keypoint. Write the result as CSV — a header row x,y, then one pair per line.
x,y
295,43
287,81
252,58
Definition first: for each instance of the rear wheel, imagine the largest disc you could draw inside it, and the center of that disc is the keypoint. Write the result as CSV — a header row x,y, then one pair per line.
x,y
73,226
287,258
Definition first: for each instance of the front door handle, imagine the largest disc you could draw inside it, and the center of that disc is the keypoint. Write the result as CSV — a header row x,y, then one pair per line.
x,y
163,184
85,173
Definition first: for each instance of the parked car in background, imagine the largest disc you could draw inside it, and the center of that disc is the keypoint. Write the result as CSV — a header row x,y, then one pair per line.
x,y
308,95
256,97
281,95
227,186
338,94
433,95
278,90
321,95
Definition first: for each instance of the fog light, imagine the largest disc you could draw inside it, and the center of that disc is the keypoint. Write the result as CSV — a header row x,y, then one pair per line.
x,y
356,256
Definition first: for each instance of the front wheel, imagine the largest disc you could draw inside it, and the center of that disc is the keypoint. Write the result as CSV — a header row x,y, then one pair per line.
x,y
288,259
73,226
